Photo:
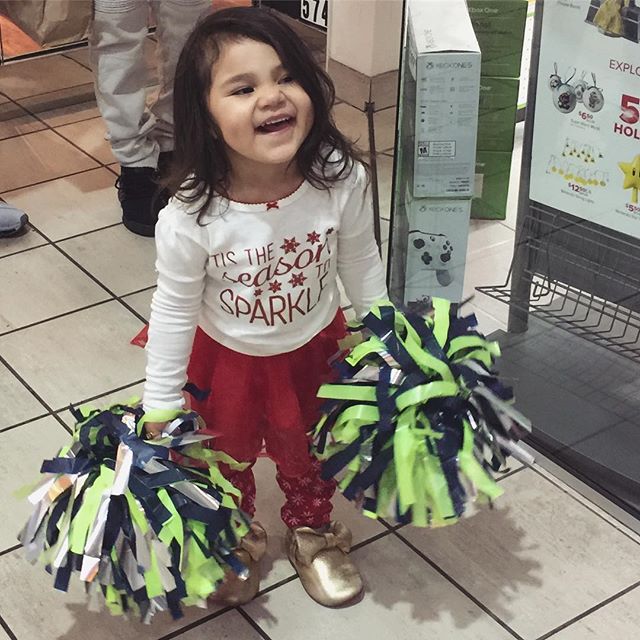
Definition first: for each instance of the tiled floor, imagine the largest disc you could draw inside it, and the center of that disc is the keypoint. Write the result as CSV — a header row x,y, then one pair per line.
x,y
545,563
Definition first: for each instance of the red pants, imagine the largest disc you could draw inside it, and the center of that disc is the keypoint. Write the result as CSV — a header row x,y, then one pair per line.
x,y
269,400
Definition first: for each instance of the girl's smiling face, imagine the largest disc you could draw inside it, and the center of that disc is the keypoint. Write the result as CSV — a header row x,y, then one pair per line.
x,y
264,115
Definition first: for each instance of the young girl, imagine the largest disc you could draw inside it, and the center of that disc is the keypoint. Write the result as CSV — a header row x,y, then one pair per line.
x,y
271,205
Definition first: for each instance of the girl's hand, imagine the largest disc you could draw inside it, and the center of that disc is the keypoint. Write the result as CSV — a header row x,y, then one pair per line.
x,y
153,430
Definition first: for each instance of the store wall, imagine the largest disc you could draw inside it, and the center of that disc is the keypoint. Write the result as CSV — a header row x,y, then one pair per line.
x,y
365,34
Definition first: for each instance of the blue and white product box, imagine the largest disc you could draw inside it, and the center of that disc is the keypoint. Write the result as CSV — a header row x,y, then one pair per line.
x,y
444,59
436,249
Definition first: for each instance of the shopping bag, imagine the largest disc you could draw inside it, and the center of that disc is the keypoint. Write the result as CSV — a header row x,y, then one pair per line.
x,y
50,22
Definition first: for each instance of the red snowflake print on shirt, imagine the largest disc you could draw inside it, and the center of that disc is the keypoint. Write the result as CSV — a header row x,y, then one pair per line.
x,y
297,279
275,286
290,245
257,292
313,237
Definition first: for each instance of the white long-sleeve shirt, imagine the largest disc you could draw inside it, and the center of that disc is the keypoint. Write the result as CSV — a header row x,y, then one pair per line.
x,y
260,279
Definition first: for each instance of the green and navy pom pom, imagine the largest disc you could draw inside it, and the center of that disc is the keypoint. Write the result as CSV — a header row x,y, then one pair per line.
x,y
419,421
147,525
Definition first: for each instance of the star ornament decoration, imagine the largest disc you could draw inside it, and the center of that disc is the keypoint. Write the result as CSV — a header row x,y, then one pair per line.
x,y
313,237
290,245
631,172
297,280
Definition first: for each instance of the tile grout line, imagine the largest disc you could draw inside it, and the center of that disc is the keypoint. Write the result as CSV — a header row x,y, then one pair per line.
x,y
9,550
33,392
66,175
113,295
588,612
458,586
196,623
256,627
55,317
47,242
24,422
587,504
5,626
105,393
56,132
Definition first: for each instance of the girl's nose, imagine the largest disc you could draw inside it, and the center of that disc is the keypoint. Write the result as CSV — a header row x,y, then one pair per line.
x,y
271,95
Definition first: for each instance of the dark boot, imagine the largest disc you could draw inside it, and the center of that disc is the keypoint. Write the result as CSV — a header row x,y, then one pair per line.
x,y
140,199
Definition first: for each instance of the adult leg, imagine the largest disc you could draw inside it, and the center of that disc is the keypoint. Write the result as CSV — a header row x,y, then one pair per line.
x,y
117,56
175,19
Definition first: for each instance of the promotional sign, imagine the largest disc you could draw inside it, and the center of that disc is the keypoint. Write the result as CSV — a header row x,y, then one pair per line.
x,y
586,142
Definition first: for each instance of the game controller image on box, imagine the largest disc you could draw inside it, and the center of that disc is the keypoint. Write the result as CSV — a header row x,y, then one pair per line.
x,y
430,252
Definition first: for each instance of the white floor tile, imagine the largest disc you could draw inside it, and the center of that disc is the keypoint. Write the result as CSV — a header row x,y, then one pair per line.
x,y
404,598
34,609
89,135
121,260
72,205
23,450
87,353
18,403
229,626
41,75
39,156
618,619
537,551
63,106
488,267
15,121
484,235
28,240
64,288
141,302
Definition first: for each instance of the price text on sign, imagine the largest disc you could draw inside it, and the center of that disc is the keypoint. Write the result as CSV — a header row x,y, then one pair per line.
x,y
630,115
314,11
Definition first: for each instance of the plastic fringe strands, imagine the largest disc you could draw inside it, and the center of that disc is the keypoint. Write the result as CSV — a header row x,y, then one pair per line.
x,y
148,525
419,420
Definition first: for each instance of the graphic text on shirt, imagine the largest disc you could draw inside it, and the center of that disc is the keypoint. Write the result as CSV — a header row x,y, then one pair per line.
x,y
275,283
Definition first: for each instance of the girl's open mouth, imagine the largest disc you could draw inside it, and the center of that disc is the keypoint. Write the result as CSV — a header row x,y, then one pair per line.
x,y
275,125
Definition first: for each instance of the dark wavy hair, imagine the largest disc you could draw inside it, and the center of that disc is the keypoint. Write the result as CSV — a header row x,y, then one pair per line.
x,y
200,168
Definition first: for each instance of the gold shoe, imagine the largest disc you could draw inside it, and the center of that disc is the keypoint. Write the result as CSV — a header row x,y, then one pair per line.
x,y
321,560
234,590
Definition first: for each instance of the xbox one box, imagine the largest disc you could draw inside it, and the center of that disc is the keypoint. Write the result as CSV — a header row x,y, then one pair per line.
x,y
497,113
436,248
444,62
491,185
499,28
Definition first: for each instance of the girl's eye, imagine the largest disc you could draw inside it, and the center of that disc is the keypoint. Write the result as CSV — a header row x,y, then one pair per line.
x,y
287,80
242,91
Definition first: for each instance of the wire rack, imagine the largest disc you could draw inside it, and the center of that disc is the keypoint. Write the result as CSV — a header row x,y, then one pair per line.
x,y
576,276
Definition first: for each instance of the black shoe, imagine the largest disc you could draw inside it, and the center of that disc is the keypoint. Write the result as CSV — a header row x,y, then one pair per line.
x,y
140,199
13,221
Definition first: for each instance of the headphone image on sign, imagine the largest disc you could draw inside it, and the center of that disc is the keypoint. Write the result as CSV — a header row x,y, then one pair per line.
x,y
554,78
564,96
593,99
